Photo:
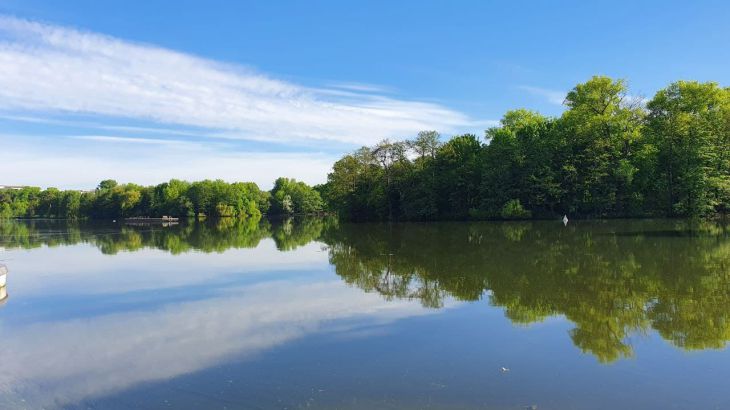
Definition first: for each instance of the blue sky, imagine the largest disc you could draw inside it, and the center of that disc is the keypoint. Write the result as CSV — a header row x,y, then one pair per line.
x,y
145,91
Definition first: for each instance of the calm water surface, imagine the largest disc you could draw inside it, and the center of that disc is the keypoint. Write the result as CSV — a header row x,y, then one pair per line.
x,y
316,314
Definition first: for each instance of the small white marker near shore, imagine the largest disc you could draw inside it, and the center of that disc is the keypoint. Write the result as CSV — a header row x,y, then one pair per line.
x,y
3,275
3,283
565,220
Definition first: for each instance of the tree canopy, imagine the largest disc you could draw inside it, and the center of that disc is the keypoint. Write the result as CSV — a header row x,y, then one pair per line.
x,y
111,200
609,154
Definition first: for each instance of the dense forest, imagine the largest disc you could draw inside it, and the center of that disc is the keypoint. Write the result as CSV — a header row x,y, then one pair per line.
x,y
608,155
175,198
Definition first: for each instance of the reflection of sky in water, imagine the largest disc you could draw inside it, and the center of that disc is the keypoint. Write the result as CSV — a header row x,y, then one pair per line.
x,y
256,327
148,315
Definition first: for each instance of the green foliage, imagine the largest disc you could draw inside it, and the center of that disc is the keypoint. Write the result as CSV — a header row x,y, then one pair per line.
x,y
111,200
689,126
602,128
289,197
521,162
107,184
612,280
223,210
607,155
291,233
513,210
207,236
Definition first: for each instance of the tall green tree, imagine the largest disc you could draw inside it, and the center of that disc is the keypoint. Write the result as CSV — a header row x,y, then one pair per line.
x,y
601,128
459,169
689,126
391,157
294,197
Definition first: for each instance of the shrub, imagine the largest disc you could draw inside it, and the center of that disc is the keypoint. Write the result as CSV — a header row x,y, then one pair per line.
x,y
513,209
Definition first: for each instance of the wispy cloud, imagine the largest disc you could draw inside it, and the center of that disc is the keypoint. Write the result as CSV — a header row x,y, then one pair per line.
x,y
81,161
362,87
99,125
48,68
553,96
129,140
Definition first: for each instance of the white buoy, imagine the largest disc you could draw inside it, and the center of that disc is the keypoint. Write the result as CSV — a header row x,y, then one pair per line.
x,y
565,220
3,282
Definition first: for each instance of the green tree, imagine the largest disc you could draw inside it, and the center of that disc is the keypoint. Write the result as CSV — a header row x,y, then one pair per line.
x,y
459,169
689,126
391,157
601,129
107,184
293,197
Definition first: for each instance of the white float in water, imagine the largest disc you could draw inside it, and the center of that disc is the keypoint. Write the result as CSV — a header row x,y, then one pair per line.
x,y
565,219
3,282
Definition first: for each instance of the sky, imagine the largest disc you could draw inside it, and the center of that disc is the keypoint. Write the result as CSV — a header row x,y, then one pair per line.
x,y
145,91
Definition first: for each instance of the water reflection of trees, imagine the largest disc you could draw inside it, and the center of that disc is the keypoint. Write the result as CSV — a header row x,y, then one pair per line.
x,y
291,233
206,236
612,279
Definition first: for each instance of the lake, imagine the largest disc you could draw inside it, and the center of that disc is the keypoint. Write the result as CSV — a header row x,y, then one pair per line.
x,y
316,313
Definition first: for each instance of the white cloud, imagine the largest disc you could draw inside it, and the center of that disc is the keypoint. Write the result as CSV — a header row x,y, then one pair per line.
x,y
47,68
362,87
129,140
553,96
81,163
98,125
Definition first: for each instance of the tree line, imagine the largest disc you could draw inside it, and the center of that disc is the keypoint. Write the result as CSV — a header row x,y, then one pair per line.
x,y
608,155
174,198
